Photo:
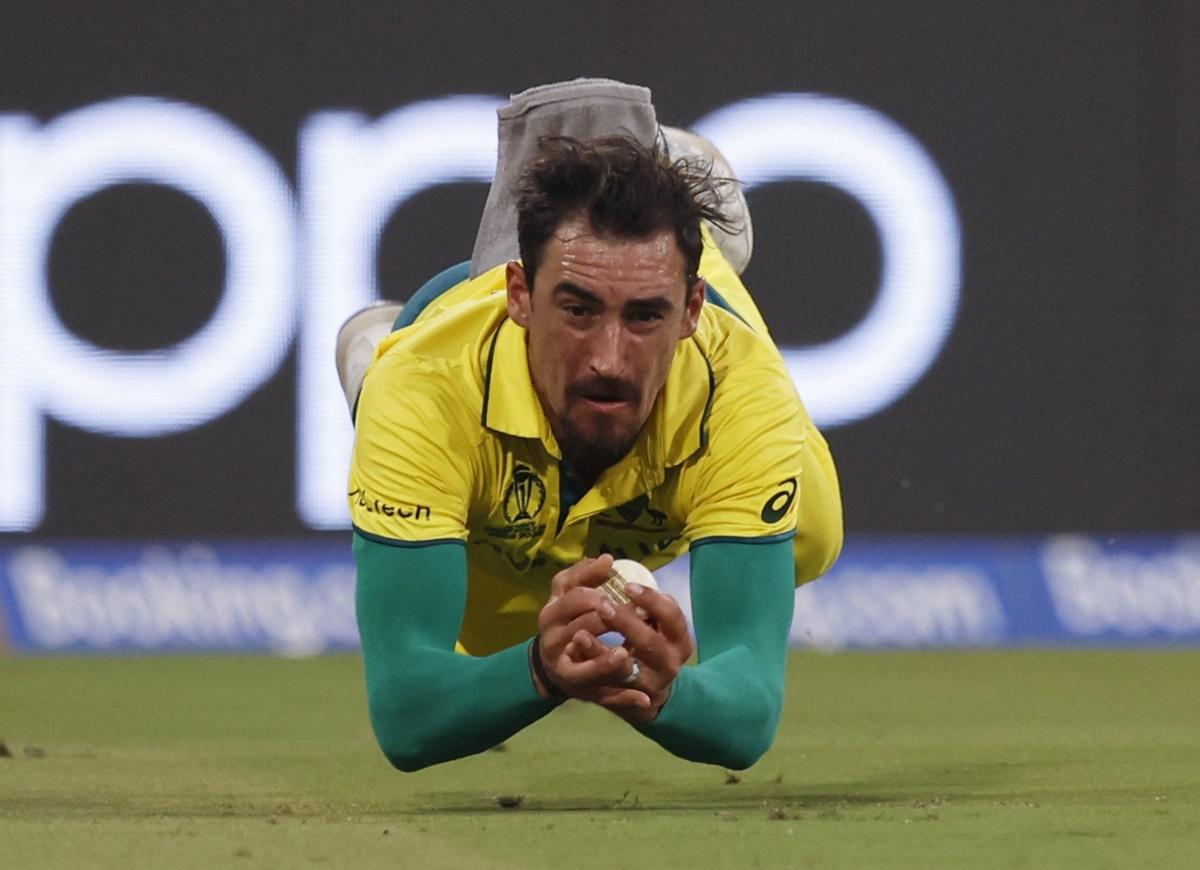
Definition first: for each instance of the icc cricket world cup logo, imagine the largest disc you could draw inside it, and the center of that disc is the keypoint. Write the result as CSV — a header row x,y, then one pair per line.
x,y
525,497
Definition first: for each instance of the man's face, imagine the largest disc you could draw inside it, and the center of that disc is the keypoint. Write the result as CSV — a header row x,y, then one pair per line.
x,y
603,320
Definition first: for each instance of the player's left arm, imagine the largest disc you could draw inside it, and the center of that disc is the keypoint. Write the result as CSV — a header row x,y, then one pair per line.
x,y
764,515
726,709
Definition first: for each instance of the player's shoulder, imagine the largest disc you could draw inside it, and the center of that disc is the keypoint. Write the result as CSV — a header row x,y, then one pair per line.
x,y
746,366
437,364
443,338
444,327
755,418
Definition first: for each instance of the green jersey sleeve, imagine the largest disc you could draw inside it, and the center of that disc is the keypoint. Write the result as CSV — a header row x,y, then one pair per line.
x,y
429,704
725,710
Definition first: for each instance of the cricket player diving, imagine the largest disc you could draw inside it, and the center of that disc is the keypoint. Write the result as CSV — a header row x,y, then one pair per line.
x,y
596,383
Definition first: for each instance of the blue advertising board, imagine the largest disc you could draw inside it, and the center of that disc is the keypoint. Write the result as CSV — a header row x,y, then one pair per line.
x,y
287,597
297,597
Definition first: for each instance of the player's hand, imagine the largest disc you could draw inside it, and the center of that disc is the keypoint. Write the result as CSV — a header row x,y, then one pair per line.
x,y
574,611
660,642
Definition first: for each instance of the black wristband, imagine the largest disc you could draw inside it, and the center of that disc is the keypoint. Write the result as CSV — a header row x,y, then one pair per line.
x,y
535,659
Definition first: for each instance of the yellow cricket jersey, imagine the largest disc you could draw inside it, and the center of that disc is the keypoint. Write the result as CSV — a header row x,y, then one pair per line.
x,y
452,445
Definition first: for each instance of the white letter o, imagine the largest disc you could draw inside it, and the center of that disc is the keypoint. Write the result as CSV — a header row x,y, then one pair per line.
x,y
846,145
201,154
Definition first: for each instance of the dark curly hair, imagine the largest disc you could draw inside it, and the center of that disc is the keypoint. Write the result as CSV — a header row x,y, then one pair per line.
x,y
626,190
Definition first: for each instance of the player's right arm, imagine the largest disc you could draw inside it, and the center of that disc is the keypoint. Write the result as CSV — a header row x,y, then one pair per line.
x,y
410,487
429,704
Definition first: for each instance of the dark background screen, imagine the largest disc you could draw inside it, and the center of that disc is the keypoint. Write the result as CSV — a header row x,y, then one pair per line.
x,y
1065,397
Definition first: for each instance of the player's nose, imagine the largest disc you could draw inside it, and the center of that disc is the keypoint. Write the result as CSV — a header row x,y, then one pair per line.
x,y
608,350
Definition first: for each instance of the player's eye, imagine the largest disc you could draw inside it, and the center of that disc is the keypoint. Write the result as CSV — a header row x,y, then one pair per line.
x,y
645,318
576,311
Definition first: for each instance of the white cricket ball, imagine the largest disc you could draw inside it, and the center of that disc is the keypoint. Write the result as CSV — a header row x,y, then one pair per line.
x,y
624,572
635,572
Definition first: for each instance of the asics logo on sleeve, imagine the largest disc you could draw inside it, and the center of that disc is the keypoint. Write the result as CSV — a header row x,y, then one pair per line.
x,y
778,504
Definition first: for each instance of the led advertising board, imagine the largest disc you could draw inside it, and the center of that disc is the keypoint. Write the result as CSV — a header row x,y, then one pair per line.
x,y
973,244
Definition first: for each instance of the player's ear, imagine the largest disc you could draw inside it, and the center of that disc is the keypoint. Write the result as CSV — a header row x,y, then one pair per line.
x,y
692,308
518,293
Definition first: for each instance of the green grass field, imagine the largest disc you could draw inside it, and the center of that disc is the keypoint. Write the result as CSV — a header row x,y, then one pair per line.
x,y
1009,759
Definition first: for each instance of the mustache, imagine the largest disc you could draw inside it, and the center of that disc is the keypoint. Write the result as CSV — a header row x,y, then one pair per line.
x,y
613,388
